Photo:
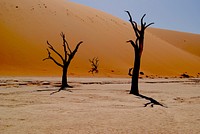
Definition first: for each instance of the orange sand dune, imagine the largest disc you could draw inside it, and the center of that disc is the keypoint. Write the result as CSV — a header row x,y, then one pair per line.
x,y
25,27
185,41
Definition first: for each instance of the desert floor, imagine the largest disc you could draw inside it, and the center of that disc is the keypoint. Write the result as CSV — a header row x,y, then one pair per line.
x,y
98,105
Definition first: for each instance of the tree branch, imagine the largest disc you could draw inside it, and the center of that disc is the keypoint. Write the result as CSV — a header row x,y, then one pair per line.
x,y
77,46
133,44
129,72
94,62
65,42
71,55
134,25
137,31
142,22
97,62
51,47
149,25
137,41
51,58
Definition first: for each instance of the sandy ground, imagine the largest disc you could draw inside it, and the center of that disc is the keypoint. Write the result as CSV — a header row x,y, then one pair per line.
x,y
98,106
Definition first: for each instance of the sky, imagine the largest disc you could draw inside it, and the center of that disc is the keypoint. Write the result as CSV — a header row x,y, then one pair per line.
x,y
178,15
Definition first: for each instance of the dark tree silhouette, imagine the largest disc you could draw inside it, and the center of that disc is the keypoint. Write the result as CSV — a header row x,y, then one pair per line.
x,y
94,63
138,47
66,59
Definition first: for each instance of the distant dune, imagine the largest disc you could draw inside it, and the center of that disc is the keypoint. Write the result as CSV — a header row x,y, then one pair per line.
x,y
25,26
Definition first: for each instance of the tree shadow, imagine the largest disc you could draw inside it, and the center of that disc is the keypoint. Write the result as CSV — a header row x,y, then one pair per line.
x,y
55,90
152,101
45,90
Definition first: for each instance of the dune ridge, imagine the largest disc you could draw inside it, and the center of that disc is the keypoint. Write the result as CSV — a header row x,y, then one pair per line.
x,y
27,25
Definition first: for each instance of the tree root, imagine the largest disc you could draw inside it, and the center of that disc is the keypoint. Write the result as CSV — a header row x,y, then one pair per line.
x,y
62,88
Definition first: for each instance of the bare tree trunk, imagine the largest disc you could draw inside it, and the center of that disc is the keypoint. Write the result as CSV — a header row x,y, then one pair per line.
x,y
135,75
64,78
138,45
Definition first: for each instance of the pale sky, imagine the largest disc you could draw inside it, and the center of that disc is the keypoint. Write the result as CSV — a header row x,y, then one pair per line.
x,y
179,15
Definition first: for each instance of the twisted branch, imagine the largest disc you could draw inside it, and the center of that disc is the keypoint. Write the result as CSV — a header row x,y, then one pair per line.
x,y
52,48
71,55
65,43
134,25
68,56
51,58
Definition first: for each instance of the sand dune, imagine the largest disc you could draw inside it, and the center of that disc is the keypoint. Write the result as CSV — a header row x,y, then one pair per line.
x,y
25,27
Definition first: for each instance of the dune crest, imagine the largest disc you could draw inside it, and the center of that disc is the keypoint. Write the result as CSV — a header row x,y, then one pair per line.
x,y
25,27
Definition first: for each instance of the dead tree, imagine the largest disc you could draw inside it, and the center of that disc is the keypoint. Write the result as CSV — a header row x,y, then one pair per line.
x,y
94,63
138,45
66,59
